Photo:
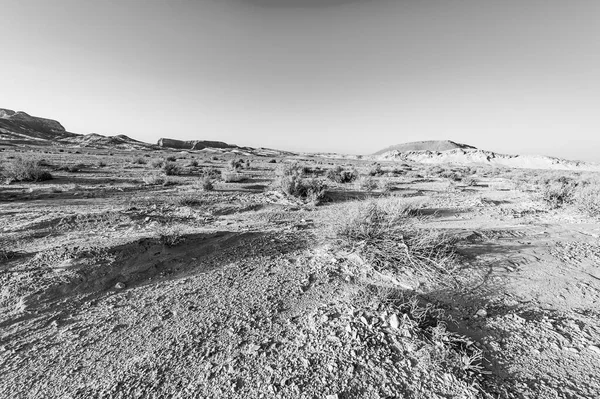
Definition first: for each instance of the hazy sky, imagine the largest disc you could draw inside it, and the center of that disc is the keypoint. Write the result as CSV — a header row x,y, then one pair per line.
x,y
317,75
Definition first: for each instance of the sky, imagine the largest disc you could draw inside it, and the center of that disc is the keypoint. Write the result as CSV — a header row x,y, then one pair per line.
x,y
347,76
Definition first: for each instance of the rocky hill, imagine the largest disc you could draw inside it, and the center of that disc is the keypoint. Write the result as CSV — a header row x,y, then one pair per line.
x,y
472,156
430,145
22,128
192,144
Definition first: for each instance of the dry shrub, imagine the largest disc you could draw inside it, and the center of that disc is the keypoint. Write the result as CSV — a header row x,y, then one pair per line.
x,y
233,177
310,190
559,192
206,184
23,169
157,163
171,169
384,234
587,199
157,180
469,181
367,183
138,161
339,175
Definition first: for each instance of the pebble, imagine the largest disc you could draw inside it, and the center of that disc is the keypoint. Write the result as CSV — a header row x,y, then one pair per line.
x,y
594,348
120,285
394,322
481,313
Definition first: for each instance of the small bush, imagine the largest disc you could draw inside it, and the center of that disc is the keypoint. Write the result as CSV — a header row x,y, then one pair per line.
x,y
170,159
384,234
469,181
235,164
193,163
233,177
273,161
559,192
386,185
101,164
171,169
376,171
293,169
311,190
587,200
212,173
72,168
157,163
156,180
367,183
339,175
206,184
21,169
138,161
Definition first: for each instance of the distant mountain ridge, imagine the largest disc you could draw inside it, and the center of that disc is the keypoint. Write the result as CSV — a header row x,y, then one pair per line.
x,y
20,128
469,155
428,145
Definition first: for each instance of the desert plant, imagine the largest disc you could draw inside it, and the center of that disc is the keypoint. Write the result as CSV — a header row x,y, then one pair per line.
x,y
193,163
384,234
386,185
339,175
23,169
171,169
311,190
376,171
101,164
235,164
170,158
587,199
155,180
138,161
367,183
157,163
72,168
233,177
206,184
559,192
469,181
211,172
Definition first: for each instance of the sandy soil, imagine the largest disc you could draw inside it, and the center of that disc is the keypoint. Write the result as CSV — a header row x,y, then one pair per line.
x,y
110,287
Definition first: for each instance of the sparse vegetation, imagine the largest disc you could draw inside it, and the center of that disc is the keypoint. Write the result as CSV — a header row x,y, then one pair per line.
x,y
293,183
25,169
367,183
138,161
384,234
559,192
171,169
233,177
206,183
339,175
157,163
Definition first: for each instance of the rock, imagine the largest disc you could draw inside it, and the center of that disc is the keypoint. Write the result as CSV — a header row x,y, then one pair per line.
x,y
481,313
594,349
120,285
334,396
394,322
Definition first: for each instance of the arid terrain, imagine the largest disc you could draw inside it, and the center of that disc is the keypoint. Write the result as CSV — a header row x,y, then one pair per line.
x,y
159,273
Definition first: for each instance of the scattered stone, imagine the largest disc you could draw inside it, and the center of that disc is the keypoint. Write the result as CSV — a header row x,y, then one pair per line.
x,y
481,313
120,285
394,322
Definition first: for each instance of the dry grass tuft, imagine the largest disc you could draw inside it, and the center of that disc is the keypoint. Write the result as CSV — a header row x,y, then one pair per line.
x,y
384,234
24,169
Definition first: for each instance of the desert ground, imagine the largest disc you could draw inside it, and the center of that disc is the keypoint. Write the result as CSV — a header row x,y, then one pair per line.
x,y
168,274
